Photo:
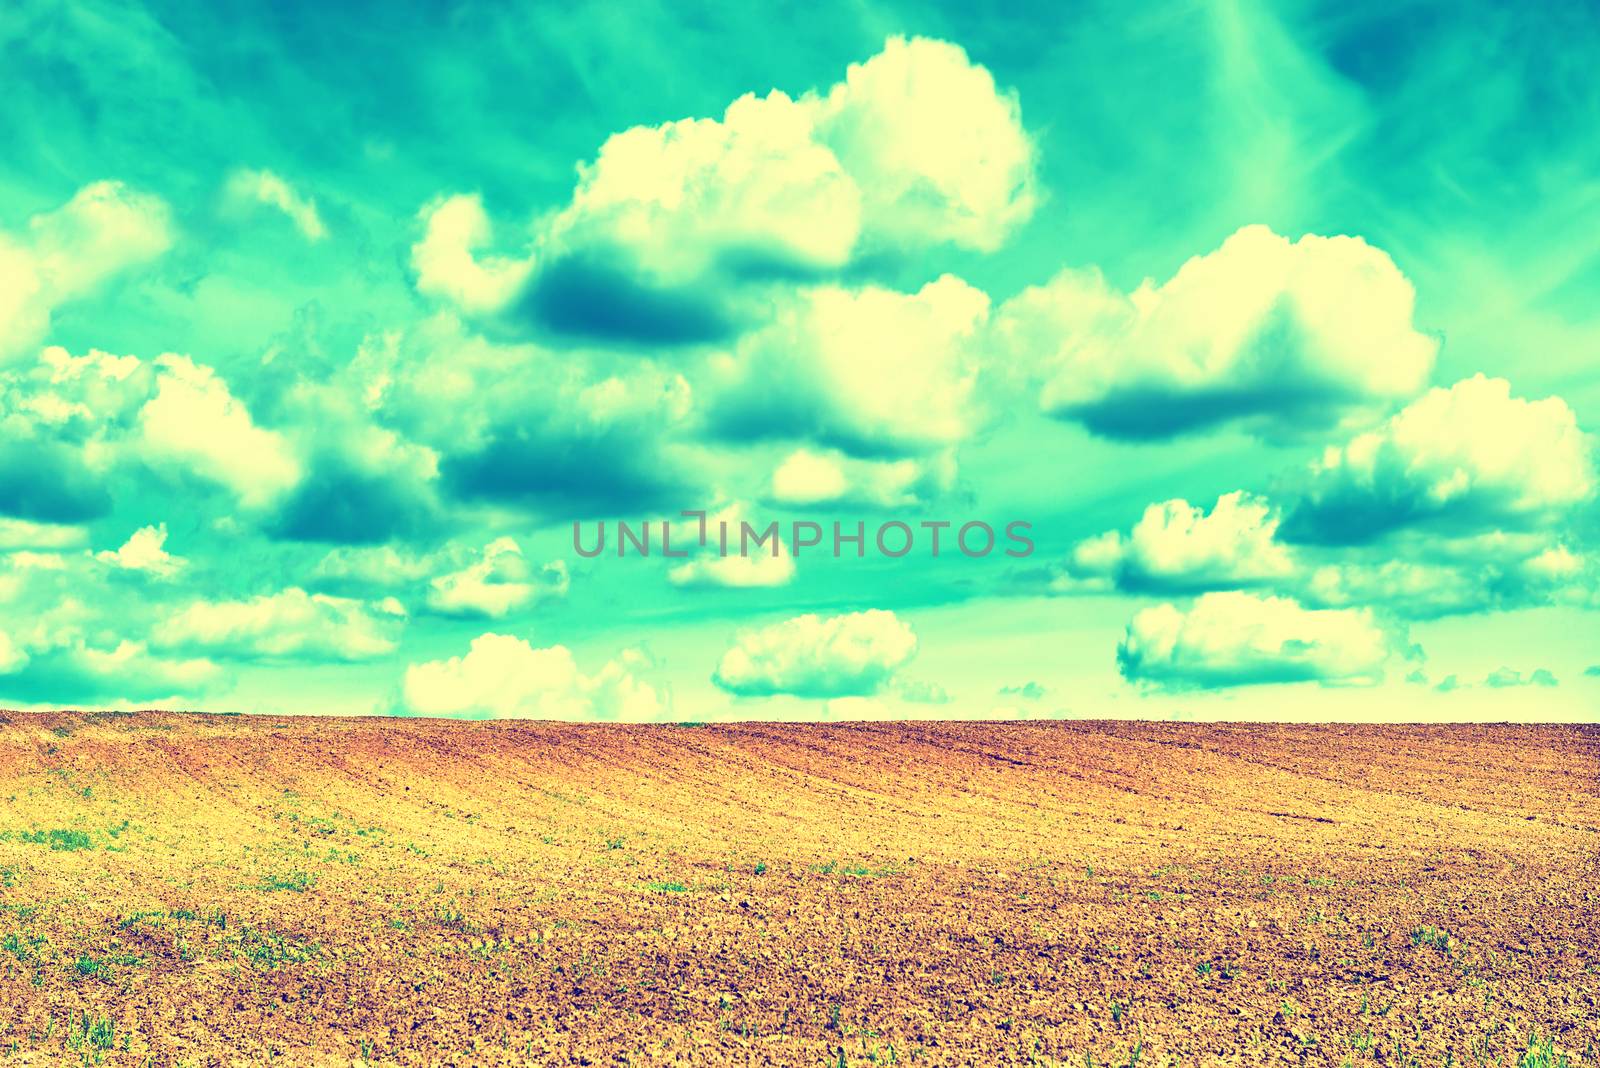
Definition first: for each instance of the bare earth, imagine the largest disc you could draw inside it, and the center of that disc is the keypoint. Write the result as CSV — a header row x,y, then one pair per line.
x,y
183,889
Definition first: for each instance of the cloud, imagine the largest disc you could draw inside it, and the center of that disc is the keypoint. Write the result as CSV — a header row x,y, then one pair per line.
x,y
758,570
1504,677
808,478
922,692
1281,337
915,147
850,655
1429,577
195,423
63,422
871,371
143,551
570,434
505,677
1176,548
291,624
454,227
1237,639
71,669
264,187
23,534
497,584
1464,459
1028,691
361,483
371,567
938,150
761,568
64,254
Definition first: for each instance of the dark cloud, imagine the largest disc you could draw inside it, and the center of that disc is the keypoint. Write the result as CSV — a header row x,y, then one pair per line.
x,y
586,297
47,481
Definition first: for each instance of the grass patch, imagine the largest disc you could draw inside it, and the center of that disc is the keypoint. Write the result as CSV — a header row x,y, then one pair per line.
x,y
1542,1053
59,840
669,888
92,1032
295,881
1434,937
268,949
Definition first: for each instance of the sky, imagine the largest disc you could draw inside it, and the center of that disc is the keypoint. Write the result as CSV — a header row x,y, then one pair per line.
x,y
1274,328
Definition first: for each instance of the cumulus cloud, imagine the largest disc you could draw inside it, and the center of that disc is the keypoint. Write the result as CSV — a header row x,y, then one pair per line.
x,y
360,482
937,148
1463,459
572,434
371,566
446,264
870,371
1504,677
811,478
1177,547
916,146
66,637
505,677
501,581
64,254
1275,335
761,568
75,428
1236,639
265,187
288,624
195,423
851,655
144,551
1430,577
70,668
64,421
24,534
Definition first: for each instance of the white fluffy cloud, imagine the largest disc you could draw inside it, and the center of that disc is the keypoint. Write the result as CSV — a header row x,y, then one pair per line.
x,y
74,429
938,150
1236,639
676,197
498,583
916,146
144,551
1280,336
808,477
1465,459
870,371
762,567
446,262
265,187
64,254
505,677
24,534
811,656
1179,547
288,624
1430,577
72,669
194,422
65,638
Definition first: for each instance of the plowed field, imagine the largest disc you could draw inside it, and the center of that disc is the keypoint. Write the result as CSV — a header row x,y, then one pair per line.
x,y
205,890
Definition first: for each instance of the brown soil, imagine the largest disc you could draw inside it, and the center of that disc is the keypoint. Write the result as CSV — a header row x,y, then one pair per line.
x,y
215,890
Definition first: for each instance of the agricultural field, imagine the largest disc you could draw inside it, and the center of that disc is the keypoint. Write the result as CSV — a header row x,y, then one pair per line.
x,y
213,890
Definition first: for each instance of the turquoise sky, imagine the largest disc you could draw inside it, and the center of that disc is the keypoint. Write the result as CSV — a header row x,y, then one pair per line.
x,y
320,325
